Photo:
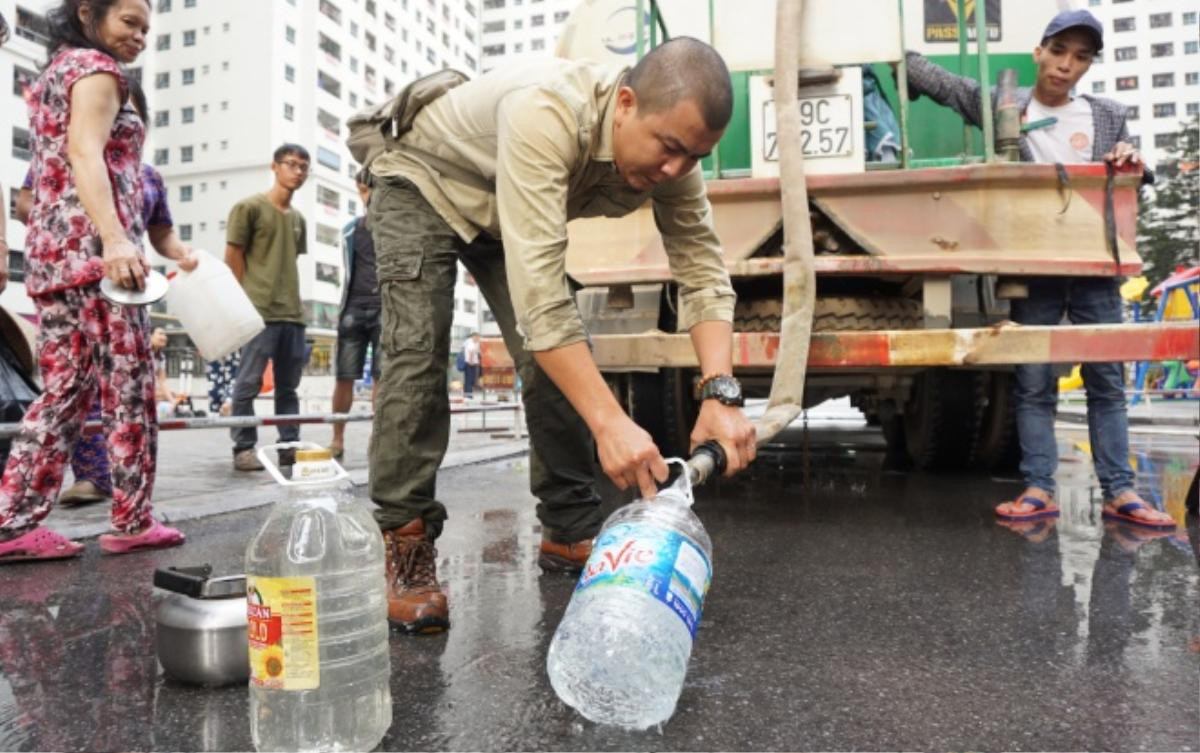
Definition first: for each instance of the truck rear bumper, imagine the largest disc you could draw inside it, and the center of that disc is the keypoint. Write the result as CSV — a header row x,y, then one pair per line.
x,y
991,346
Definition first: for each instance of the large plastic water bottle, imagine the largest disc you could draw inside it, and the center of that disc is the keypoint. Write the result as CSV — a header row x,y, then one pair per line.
x,y
620,654
317,602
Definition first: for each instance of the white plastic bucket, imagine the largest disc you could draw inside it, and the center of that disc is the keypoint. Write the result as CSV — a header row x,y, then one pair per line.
x,y
213,308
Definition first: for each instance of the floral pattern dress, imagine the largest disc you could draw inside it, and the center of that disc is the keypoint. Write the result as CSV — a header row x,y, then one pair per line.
x,y
85,344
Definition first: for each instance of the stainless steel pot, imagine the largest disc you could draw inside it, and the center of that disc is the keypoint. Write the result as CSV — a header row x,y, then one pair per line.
x,y
201,626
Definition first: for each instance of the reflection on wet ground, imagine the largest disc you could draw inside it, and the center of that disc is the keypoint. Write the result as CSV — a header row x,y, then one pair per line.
x,y
853,607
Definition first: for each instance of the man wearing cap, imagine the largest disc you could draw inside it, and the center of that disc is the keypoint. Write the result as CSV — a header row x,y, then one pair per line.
x,y
1080,129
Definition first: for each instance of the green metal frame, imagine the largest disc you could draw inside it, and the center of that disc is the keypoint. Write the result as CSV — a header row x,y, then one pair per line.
x,y
645,42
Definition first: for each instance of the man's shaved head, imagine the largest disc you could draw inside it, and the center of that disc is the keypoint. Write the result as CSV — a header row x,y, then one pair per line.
x,y
684,69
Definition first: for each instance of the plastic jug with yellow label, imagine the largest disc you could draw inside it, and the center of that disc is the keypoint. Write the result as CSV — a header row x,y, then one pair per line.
x,y
316,602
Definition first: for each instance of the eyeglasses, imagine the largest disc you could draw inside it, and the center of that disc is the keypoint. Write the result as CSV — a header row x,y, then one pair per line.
x,y
294,166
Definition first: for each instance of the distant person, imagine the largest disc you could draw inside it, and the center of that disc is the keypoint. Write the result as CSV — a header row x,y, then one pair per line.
x,y
470,364
358,318
86,224
164,397
221,377
264,239
1081,129
89,461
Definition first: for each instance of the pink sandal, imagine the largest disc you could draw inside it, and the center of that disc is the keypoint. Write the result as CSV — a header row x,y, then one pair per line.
x,y
39,544
156,536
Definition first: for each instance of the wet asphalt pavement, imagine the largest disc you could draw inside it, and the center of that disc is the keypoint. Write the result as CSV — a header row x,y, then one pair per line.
x,y
856,608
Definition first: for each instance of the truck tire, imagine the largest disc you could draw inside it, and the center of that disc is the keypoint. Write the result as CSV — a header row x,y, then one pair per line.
x,y
940,420
832,314
996,446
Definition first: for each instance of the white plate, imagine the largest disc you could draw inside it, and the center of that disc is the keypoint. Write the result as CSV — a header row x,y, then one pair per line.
x,y
156,288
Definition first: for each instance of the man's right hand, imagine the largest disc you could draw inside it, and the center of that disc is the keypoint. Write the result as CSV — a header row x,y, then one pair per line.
x,y
124,265
629,456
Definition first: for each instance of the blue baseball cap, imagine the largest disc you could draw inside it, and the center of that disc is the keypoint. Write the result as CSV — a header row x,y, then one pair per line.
x,y
1076,19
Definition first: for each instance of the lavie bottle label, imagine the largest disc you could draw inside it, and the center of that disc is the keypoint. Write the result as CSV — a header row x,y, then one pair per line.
x,y
655,561
284,645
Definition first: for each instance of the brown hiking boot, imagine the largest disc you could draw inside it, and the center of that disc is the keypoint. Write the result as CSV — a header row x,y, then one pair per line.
x,y
416,603
554,557
247,460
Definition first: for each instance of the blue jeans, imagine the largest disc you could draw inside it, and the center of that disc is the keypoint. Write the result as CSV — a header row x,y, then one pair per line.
x,y
281,343
1084,300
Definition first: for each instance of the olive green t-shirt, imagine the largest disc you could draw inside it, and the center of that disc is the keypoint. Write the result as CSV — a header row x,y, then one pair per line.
x,y
272,241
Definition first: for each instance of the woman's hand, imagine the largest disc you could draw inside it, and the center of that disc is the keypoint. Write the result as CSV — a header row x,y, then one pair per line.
x,y
189,260
124,265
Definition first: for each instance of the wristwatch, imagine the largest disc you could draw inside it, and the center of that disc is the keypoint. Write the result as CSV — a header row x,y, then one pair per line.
x,y
721,387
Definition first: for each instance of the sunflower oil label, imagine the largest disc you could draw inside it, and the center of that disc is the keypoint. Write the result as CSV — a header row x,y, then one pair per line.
x,y
284,648
654,561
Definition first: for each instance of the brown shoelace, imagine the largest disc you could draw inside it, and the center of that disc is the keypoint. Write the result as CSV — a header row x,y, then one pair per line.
x,y
416,561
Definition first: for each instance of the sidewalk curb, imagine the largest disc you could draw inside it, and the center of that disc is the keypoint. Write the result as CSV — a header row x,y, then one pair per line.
x,y
208,504
1134,420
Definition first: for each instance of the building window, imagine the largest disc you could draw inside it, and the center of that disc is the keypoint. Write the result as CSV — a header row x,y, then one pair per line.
x,y
289,112
189,38
1162,80
369,6
1097,87
540,44
185,232
518,24
353,99
1132,112
1127,83
329,47
289,73
331,11
1125,53
1191,47
494,26
561,16
1164,110
369,38
1165,140
1160,20
162,80
389,21
389,54
289,34
162,156
1124,24
329,84
23,78
162,118
1192,78
327,197
330,273
188,114
354,30
329,122
1162,50
328,235
163,42
185,193
185,153
189,76
189,3
22,149
493,50
1189,18
328,158
1193,108
388,87
538,20
493,4
164,6
468,307
224,104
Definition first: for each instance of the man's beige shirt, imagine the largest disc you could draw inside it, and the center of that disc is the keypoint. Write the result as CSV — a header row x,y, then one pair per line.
x,y
518,152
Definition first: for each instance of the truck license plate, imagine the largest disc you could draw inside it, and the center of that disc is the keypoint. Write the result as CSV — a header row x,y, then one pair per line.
x,y
825,127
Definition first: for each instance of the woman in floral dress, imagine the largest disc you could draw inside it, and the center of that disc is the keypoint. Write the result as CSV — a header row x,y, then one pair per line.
x,y
86,224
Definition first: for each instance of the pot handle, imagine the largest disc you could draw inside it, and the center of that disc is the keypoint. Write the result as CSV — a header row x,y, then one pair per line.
x,y
188,581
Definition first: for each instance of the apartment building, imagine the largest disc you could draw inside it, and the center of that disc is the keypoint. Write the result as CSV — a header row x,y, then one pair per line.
x,y
228,82
519,29
1151,63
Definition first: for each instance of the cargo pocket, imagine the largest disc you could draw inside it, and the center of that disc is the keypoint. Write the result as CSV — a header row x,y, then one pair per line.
x,y
407,309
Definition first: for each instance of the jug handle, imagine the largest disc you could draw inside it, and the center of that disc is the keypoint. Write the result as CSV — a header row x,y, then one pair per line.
x,y
340,472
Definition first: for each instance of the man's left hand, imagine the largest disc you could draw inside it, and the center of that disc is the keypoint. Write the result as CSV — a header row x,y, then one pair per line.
x,y
1123,152
729,426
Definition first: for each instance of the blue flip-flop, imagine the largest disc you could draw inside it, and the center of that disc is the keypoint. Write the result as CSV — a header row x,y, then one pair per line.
x,y
1041,509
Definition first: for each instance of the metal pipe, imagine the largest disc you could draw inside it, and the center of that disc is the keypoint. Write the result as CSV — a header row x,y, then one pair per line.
x,y
640,29
245,422
985,85
962,67
902,92
1008,116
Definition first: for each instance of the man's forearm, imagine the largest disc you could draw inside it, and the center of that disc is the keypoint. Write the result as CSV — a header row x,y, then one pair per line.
x,y
235,257
713,342
166,242
574,371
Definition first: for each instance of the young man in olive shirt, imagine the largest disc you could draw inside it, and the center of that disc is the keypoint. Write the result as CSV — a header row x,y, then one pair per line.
x,y
264,238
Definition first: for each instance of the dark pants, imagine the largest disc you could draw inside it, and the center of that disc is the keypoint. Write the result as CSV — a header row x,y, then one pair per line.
x,y
416,257
470,375
1084,300
282,343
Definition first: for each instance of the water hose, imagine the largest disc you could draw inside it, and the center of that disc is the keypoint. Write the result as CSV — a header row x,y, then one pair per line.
x,y
799,277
